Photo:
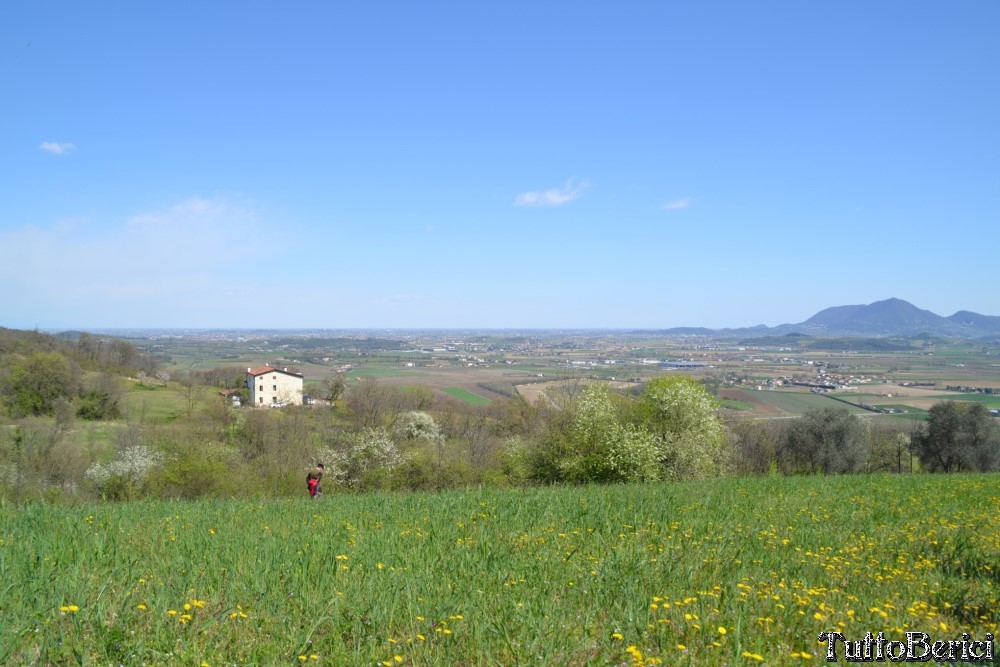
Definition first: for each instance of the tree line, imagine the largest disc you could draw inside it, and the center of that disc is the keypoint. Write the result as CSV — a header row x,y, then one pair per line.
x,y
373,436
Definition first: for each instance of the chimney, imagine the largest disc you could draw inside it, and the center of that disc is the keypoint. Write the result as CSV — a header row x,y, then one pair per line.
x,y
249,369
286,369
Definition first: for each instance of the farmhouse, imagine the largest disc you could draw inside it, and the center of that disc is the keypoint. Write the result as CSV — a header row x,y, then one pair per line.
x,y
274,387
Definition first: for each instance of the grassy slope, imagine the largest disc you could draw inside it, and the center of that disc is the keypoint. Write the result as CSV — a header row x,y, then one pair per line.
x,y
726,571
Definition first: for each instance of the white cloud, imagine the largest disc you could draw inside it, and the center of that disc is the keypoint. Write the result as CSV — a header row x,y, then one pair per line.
x,y
553,196
677,204
56,148
173,261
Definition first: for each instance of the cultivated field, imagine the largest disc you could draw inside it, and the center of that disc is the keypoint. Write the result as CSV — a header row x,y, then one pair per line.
x,y
732,572
782,403
439,360
534,392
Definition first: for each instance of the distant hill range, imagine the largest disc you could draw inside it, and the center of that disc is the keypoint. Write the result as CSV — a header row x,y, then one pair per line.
x,y
888,318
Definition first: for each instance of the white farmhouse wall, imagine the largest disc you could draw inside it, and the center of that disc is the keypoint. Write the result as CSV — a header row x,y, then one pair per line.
x,y
274,386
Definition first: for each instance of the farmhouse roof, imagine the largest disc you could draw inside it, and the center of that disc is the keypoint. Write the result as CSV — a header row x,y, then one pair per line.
x,y
264,370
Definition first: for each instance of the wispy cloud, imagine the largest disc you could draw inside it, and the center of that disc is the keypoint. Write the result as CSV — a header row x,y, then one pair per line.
x,y
167,260
677,204
553,196
56,148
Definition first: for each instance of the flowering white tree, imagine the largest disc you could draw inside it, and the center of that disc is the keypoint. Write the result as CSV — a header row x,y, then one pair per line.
x,y
683,415
125,476
603,448
370,452
418,425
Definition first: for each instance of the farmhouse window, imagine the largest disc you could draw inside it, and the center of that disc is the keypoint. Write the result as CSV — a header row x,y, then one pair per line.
x,y
274,387
262,388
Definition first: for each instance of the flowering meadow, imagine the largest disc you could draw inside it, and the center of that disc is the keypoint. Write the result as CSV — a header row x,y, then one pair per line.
x,y
735,572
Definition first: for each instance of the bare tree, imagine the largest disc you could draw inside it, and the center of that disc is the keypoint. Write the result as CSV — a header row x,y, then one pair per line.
x,y
192,390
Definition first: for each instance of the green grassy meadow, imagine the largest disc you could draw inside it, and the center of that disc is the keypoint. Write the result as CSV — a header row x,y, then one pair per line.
x,y
157,403
738,571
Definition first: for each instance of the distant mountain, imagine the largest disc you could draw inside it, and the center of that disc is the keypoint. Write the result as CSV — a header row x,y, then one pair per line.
x,y
892,317
975,320
888,318
833,317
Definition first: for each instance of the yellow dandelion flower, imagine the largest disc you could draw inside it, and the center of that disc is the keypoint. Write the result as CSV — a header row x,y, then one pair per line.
x,y
617,636
682,647
722,630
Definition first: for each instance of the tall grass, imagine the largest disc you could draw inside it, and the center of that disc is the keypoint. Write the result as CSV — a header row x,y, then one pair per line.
x,y
730,571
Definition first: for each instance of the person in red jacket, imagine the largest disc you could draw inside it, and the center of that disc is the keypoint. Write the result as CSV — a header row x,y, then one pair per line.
x,y
313,479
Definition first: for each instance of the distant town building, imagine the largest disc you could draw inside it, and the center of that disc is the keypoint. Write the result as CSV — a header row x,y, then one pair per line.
x,y
274,387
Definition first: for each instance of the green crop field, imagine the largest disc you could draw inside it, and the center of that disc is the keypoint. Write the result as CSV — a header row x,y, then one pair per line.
x,y
797,403
989,400
467,396
736,572
735,404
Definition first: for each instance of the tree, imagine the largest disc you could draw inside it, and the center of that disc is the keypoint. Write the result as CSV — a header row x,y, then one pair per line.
x,y
34,385
334,387
891,450
958,437
753,442
415,425
589,440
192,389
828,441
372,404
683,416
366,459
35,458
605,448
101,401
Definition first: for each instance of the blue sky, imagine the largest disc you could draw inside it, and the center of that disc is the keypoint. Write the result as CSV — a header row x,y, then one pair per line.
x,y
501,165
